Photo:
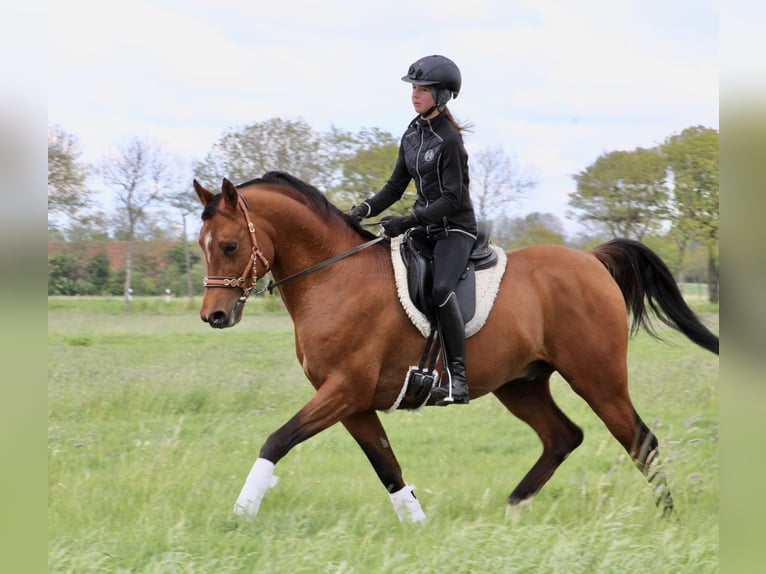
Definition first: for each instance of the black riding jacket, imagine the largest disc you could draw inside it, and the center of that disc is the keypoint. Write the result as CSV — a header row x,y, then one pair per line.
x,y
432,153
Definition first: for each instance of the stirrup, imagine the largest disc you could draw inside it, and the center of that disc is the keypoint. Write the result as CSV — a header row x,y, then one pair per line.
x,y
449,398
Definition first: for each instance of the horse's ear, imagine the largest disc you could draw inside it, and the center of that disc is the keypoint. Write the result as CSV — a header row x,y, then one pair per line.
x,y
203,194
230,194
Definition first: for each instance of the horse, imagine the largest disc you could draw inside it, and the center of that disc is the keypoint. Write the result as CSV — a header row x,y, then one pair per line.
x,y
557,309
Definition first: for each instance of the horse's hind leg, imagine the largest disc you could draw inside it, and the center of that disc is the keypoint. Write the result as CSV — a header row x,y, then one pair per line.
x,y
370,435
645,454
609,399
531,401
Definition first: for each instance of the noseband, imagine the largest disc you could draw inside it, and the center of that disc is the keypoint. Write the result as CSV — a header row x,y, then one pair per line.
x,y
249,272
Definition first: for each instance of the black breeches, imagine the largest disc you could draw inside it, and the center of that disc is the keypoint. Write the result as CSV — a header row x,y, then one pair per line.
x,y
451,253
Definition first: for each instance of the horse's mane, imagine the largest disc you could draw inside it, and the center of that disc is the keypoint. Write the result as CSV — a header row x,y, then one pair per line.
x,y
315,198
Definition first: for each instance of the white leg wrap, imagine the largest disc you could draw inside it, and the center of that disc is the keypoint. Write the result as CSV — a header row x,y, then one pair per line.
x,y
407,506
260,479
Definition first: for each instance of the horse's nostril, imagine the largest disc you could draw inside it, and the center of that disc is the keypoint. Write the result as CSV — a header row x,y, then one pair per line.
x,y
218,319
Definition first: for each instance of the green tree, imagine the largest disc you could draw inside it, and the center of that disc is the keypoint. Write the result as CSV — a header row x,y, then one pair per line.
x,y
692,157
532,229
95,226
97,272
67,174
624,193
63,273
246,153
364,163
347,166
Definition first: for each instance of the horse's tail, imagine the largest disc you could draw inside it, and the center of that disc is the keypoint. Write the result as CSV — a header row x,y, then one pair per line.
x,y
643,276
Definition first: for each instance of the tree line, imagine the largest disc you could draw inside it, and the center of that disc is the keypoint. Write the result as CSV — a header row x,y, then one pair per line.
x,y
669,191
666,196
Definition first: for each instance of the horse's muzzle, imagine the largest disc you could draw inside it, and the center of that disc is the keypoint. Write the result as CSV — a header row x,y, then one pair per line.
x,y
217,320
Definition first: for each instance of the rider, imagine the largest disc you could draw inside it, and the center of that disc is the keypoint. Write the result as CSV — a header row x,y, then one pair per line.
x,y
432,153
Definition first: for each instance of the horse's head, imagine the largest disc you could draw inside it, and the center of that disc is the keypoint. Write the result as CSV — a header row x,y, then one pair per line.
x,y
234,260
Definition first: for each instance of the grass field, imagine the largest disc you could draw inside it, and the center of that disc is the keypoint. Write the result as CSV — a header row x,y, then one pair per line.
x,y
155,419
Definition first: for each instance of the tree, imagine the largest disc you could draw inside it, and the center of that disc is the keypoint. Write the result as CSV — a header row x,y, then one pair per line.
x,y
97,272
75,272
623,193
67,192
692,157
186,203
137,173
276,144
535,228
364,164
63,273
496,182
93,226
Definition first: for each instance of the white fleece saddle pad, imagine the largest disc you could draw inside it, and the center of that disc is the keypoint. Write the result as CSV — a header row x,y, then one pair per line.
x,y
487,284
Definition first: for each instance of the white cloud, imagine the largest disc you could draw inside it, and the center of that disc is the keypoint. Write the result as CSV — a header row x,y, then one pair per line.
x,y
554,83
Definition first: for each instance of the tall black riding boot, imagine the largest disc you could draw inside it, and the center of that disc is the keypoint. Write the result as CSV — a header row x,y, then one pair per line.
x,y
452,331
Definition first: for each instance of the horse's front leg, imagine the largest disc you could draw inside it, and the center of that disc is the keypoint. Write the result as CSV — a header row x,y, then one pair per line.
x,y
326,407
369,433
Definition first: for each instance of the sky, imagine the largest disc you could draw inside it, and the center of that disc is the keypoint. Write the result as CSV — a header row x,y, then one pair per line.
x,y
554,84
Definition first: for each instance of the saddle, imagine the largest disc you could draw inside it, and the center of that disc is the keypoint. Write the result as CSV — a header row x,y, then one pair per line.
x,y
417,254
416,265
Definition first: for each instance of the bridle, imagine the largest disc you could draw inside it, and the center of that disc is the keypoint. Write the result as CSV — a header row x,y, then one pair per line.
x,y
249,272
256,254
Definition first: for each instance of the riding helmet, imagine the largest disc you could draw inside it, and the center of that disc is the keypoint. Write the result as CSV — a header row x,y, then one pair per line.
x,y
439,72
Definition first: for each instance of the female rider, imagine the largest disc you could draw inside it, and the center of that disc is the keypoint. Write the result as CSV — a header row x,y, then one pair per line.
x,y
432,153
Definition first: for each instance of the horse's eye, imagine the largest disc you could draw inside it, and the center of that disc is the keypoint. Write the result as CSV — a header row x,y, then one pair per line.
x,y
229,247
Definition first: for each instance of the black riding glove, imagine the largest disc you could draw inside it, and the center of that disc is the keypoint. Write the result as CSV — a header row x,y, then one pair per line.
x,y
395,225
359,212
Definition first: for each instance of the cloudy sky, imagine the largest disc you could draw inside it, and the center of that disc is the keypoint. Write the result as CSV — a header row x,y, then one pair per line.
x,y
553,83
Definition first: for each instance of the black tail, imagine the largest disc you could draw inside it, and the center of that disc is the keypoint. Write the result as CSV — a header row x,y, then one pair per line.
x,y
643,276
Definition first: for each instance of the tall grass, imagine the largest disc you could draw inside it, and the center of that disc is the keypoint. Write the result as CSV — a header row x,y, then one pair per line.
x,y
155,420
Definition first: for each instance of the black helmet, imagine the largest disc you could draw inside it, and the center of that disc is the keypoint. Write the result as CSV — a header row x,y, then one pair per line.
x,y
436,71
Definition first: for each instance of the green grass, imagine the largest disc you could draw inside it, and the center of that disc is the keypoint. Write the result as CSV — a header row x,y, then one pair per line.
x,y
155,419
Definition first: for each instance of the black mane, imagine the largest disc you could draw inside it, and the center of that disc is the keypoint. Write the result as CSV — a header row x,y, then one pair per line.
x,y
315,197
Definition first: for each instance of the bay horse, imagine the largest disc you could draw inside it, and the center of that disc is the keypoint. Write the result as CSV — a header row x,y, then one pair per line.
x,y
557,310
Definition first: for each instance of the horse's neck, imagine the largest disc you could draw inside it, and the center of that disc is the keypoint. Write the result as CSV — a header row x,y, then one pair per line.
x,y
298,246
303,238
310,297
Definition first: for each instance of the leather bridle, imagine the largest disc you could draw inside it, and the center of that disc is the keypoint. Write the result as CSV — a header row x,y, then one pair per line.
x,y
249,273
256,254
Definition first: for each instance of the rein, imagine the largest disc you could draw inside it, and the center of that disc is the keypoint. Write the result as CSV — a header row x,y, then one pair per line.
x,y
272,285
256,254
